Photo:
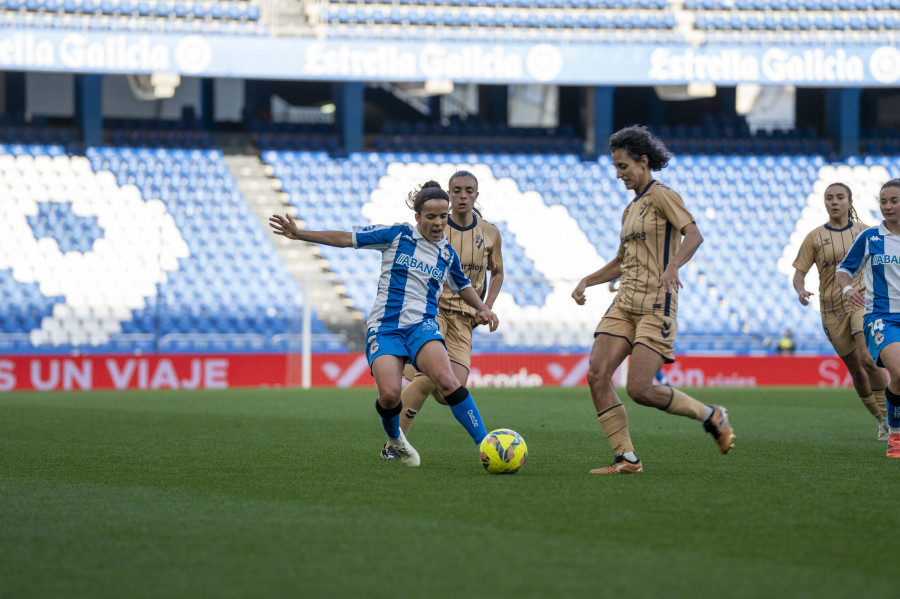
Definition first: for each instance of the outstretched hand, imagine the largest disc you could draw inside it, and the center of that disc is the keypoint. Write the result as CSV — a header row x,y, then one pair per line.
x,y
804,297
284,225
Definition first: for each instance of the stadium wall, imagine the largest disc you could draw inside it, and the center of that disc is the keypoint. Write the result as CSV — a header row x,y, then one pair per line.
x,y
223,371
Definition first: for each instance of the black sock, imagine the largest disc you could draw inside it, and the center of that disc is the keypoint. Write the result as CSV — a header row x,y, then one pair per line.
x,y
388,413
457,396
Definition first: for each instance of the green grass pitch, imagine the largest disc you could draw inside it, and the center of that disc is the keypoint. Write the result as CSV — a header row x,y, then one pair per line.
x,y
280,493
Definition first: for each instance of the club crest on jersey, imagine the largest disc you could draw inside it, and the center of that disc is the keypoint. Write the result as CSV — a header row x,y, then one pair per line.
x,y
445,253
643,207
479,241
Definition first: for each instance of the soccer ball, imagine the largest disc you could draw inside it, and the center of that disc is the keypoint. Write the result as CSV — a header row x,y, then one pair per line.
x,y
503,451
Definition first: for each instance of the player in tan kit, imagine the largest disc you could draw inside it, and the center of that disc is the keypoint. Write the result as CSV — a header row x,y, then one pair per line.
x,y
825,247
477,242
641,321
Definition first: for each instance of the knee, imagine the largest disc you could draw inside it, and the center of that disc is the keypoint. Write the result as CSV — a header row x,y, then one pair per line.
x,y
389,398
639,391
598,375
868,364
446,384
858,373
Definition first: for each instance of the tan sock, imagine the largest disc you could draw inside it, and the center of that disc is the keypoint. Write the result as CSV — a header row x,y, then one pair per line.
x,y
685,405
614,421
413,397
881,402
872,404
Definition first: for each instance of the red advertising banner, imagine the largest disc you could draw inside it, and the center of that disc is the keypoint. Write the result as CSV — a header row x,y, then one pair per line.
x,y
222,371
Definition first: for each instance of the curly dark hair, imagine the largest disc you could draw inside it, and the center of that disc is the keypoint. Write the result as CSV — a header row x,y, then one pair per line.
x,y
430,190
637,141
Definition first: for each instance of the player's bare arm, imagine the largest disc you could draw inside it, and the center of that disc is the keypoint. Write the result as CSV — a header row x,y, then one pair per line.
x,y
610,272
852,295
484,315
799,282
285,226
670,280
494,287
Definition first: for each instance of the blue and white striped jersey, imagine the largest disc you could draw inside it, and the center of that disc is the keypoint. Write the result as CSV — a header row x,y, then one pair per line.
x,y
413,271
877,250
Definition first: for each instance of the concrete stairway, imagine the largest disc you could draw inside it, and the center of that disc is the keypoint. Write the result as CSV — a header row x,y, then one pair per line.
x,y
324,290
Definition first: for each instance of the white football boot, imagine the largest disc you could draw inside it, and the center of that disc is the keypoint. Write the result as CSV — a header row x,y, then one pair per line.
x,y
406,452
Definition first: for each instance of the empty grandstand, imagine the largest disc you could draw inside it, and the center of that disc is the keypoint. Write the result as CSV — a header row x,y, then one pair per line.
x,y
133,212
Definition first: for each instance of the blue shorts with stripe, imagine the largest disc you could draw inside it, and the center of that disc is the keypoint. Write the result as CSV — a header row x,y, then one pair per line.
x,y
404,343
881,330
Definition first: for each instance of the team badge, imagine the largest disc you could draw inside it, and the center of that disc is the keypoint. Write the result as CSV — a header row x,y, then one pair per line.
x,y
479,241
445,253
879,338
643,207
373,346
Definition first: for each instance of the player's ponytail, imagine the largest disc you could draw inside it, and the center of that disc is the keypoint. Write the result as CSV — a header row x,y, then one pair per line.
x,y
430,190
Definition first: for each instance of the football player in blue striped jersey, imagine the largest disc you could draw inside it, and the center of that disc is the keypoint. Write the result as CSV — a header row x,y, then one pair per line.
x,y
416,261
877,252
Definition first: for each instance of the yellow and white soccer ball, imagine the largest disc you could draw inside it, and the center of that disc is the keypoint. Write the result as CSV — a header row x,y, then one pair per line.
x,y
503,451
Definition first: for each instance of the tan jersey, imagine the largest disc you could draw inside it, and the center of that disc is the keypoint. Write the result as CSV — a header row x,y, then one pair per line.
x,y
826,247
651,235
478,247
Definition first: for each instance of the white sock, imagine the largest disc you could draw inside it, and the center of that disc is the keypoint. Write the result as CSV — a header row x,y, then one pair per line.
x,y
708,413
629,455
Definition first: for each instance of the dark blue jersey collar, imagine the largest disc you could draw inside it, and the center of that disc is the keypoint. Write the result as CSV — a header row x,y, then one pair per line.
x,y
646,189
453,225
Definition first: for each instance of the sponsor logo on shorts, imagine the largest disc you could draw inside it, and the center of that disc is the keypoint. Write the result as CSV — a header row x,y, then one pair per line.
x,y
430,326
666,330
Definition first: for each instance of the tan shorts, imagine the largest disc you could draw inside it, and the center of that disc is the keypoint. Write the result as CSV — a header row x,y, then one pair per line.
x,y
456,328
840,329
653,330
